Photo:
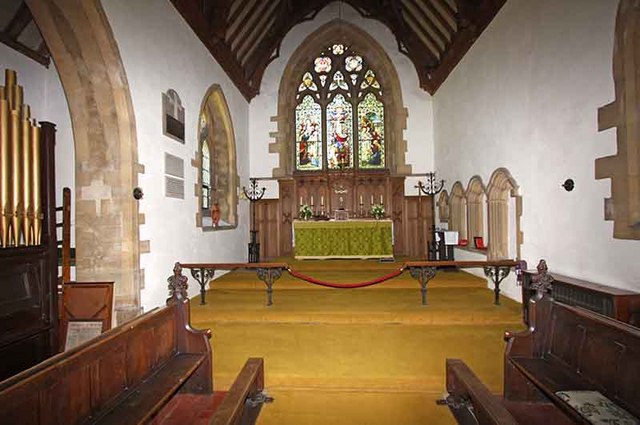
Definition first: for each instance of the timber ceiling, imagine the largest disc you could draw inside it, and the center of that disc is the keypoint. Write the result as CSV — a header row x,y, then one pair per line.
x,y
19,31
244,36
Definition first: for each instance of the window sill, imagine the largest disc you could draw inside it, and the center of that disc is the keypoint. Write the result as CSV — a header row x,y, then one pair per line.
x,y
216,228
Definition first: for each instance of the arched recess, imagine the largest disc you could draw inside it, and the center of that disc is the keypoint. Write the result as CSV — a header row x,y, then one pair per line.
x,y
505,211
216,134
396,115
86,55
458,210
475,209
443,207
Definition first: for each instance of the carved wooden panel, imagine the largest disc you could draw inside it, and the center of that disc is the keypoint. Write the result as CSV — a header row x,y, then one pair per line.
x,y
268,227
397,215
419,219
288,211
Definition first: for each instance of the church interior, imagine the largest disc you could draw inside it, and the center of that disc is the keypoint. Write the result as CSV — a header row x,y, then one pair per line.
x,y
322,212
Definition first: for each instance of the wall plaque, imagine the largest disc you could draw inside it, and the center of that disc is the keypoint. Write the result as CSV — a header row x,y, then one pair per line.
x,y
172,116
174,188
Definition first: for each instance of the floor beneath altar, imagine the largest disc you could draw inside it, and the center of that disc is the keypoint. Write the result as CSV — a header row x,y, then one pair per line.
x,y
355,356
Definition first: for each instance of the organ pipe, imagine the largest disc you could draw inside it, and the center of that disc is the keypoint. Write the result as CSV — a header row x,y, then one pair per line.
x,y
21,212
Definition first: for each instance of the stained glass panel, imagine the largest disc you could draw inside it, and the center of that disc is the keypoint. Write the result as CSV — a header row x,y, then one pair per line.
x,y
308,135
338,82
370,80
323,80
371,133
322,64
307,83
339,133
337,49
353,63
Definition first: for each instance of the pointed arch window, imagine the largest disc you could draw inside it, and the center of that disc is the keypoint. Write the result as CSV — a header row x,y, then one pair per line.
x,y
205,177
339,114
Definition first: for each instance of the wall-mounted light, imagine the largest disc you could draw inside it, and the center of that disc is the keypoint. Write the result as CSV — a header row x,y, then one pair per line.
x,y
569,185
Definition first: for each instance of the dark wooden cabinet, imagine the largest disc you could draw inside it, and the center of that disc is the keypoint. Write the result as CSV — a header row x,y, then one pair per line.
x,y
619,304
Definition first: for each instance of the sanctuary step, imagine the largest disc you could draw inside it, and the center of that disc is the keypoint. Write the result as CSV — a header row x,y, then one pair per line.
x,y
355,356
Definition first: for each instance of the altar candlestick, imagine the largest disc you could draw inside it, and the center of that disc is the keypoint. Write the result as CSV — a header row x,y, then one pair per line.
x,y
371,199
311,199
321,199
301,200
360,199
380,199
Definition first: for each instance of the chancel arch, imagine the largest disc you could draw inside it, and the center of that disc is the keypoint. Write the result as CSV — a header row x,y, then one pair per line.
x,y
475,195
458,210
504,210
216,161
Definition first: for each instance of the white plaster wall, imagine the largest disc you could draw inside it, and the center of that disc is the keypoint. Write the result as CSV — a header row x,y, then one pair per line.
x,y
419,132
525,97
159,52
44,94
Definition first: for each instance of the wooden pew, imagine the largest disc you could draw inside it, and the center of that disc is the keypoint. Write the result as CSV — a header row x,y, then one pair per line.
x,y
127,375
565,349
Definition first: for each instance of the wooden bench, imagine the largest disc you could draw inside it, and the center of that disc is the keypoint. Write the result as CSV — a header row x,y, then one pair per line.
x,y
127,375
565,349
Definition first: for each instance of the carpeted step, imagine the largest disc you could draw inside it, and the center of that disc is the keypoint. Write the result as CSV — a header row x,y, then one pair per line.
x,y
446,306
384,357
301,407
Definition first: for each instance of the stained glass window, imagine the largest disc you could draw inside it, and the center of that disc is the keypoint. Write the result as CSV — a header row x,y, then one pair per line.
x,y
339,113
206,175
339,133
308,135
371,132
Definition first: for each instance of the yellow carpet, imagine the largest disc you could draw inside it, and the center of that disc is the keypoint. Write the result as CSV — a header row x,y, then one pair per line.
x,y
360,356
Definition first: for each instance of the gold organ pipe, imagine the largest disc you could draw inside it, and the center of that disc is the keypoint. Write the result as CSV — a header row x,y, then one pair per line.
x,y
36,193
27,183
16,177
4,173
21,210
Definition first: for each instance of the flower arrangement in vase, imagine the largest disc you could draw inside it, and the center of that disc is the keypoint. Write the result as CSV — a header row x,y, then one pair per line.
x,y
377,211
305,212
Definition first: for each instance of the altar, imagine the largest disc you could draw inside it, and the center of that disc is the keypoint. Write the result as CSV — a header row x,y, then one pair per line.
x,y
343,239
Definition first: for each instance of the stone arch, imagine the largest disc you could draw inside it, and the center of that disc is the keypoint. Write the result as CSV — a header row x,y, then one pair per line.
x,y
443,207
362,42
458,210
215,128
501,188
82,45
476,196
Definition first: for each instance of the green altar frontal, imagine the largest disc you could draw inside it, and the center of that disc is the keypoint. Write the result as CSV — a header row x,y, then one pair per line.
x,y
343,239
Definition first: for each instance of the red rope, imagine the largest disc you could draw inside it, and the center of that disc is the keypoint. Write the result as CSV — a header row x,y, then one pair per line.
x,y
346,285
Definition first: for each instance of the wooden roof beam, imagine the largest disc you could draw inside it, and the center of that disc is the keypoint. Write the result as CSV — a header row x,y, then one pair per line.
x,y
239,45
19,22
427,25
240,24
190,11
290,14
441,19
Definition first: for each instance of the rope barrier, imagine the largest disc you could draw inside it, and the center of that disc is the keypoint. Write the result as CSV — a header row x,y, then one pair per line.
x,y
345,285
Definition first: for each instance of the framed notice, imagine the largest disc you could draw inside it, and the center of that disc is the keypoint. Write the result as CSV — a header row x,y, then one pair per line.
x,y
79,332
